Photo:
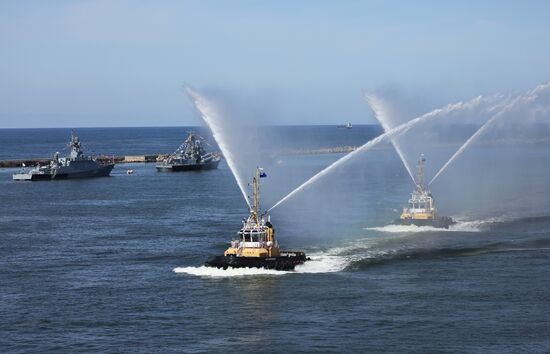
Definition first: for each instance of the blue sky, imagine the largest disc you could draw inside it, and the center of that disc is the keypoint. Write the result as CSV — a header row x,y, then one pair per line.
x,y
123,63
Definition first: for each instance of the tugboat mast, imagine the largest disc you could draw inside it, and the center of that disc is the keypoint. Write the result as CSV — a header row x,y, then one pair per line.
x,y
256,195
420,173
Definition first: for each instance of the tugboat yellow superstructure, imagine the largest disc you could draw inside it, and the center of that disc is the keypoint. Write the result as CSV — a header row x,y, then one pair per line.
x,y
255,245
421,210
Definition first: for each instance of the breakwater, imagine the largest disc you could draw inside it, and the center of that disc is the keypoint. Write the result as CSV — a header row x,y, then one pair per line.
x,y
159,157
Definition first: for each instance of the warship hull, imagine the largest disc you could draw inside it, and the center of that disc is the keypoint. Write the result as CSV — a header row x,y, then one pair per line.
x,y
286,261
211,165
102,171
442,222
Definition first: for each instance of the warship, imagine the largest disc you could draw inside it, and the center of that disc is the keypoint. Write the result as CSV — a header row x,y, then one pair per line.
x,y
255,245
421,210
76,165
189,156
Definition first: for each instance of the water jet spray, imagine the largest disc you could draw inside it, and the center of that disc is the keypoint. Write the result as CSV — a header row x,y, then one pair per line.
x,y
530,95
377,107
208,115
392,133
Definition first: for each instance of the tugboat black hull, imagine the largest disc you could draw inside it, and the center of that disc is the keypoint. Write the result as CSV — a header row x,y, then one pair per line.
x,y
211,165
442,222
287,261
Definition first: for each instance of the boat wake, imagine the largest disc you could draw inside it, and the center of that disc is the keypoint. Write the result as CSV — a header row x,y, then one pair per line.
x,y
322,262
211,272
460,226
400,243
428,253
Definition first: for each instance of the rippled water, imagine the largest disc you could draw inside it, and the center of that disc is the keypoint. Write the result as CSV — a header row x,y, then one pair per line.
x,y
115,265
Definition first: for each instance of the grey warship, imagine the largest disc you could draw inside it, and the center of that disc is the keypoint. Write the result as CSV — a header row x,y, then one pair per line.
x,y
76,165
189,156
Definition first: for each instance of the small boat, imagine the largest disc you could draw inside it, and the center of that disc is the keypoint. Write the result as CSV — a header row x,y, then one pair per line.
x,y
346,126
77,165
129,171
255,245
190,156
421,210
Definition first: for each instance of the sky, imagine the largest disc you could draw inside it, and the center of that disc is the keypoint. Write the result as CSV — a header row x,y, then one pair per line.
x,y
124,63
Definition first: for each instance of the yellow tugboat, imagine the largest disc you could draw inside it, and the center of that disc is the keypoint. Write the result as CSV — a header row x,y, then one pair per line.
x,y
255,245
421,210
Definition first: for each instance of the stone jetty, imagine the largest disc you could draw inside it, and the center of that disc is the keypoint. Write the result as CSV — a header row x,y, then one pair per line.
x,y
159,157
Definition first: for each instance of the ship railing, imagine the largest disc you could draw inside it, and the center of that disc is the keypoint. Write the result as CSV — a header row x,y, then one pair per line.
x,y
249,244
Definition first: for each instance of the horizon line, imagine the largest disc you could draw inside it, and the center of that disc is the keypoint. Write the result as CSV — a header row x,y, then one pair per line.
x,y
182,126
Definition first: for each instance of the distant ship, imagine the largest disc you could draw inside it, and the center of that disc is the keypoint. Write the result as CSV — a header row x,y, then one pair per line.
x,y
346,126
190,156
77,165
421,210
256,246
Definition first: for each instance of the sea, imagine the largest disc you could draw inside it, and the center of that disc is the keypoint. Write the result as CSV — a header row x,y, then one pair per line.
x,y
115,264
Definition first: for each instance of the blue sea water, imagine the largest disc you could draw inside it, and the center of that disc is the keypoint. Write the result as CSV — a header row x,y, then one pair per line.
x,y
114,264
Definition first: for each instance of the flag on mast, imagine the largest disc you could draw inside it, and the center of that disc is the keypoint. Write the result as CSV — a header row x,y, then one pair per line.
x,y
262,173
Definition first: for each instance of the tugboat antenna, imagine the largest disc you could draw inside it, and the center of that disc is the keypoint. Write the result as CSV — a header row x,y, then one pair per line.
x,y
256,194
420,173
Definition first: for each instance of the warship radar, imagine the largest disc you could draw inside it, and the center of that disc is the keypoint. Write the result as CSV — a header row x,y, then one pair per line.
x,y
255,245
421,210
76,165
190,156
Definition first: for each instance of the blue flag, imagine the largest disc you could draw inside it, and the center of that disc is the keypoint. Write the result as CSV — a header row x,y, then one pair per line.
x,y
262,173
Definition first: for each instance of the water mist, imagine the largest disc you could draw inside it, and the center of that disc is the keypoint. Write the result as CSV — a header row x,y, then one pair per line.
x,y
211,118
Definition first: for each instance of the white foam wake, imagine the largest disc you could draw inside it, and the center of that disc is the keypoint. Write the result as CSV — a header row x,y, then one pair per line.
x,y
211,272
460,226
404,228
324,262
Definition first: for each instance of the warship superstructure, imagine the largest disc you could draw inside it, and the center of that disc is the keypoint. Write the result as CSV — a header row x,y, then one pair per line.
x,y
421,210
190,156
255,245
76,165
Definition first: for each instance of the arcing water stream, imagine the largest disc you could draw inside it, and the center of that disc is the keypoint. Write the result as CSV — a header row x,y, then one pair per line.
x,y
379,113
209,115
384,113
397,131
481,105
521,99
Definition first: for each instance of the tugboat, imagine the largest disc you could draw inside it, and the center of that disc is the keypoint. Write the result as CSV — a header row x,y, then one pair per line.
x,y
189,156
77,165
421,210
255,245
